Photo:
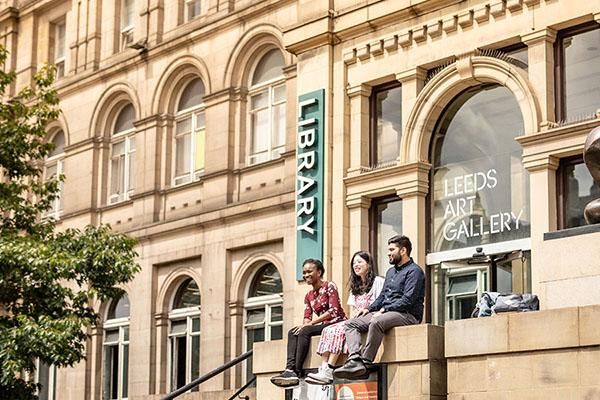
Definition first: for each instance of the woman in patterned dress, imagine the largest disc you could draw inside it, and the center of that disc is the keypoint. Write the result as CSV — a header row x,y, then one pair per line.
x,y
365,286
323,301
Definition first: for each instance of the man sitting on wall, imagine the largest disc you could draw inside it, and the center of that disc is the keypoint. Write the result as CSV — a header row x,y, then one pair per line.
x,y
400,303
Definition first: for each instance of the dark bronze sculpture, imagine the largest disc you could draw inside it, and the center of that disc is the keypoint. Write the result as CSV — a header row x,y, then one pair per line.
x,y
591,156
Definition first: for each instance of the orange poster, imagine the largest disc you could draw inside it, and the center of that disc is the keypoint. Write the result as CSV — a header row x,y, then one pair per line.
x,y
356,391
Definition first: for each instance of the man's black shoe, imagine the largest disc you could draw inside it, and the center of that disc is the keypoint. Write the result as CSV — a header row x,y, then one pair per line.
x,y
352,369
285,379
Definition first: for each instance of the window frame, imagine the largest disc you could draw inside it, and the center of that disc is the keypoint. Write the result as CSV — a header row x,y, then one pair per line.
x,y
122,325
193,112
128,137
266,303
126,30
373,119
562,186
373,222
559,66
59,60
180,314
186,10
58,160
51,389
268,86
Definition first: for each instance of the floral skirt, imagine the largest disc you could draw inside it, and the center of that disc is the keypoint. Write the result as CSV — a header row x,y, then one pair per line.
x,y
333,339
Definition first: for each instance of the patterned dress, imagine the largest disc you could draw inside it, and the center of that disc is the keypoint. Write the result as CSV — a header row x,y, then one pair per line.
x,y
327,299
333,337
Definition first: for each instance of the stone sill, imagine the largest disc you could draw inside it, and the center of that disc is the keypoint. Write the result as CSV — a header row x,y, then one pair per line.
x,y
402,344
520,332
580,230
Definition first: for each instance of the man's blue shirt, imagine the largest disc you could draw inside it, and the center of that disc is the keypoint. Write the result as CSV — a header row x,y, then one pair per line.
x,y
403,290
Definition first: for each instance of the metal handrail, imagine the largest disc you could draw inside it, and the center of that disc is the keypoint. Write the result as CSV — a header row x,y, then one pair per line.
x,y
205,377
240,390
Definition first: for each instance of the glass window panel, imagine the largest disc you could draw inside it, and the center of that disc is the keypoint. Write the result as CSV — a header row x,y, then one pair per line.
x,y
111,372
579,191
196,324
128,13
51,171
255,336
480,188
462,307
269,67
388,219
200,120
276,314
266,282
125,370
260,100
255,316
192,95
193,9
182,159
278,125
59,48
59,144
131,172
463,284
126,333
111,336
388,113
125,119
43,373
276,332
581,54
199,150
195,360
178,364
119,309
260,132
188,295
178,327
279,94
117,171
184,126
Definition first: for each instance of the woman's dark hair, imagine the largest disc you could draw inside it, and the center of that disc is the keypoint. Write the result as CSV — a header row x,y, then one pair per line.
x,y
357,287
317,263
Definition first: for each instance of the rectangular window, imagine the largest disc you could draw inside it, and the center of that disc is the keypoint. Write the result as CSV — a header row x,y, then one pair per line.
x,y
192,9
122,169
127,22
386,123
385,222
58,48
576,188
578,73
46,377
53,170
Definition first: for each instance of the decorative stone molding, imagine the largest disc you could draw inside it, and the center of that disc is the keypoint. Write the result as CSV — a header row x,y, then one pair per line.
x,y
547,34
450,24
376,47
420,34
391,43
498,9
405,39
465,19
363,53
464,65
410,74
514,5
358,202
540,162
359,90
482,14
434,29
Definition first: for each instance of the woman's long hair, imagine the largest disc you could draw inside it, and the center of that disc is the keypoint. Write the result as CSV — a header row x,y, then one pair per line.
x,y
357,287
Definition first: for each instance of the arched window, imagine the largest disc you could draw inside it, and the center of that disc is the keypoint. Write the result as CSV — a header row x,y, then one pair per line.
x,y
184,335
480,211
264,311
122,156
190,133
116,350
54,168
267,109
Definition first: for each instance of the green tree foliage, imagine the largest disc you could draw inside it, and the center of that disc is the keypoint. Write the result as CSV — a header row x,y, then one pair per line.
x,y
48,279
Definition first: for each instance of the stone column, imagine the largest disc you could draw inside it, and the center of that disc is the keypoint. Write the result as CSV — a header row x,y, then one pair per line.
x,y
156,15
542,189
359,128
413,191
540,51
412,81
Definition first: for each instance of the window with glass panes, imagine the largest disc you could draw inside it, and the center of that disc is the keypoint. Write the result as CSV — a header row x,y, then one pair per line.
x,y
576,188
267,107
192,9
385,222
578,72
264,310
116,351
53,170
184,335
190,133
45,376
58,40
386,129
122,156
127,22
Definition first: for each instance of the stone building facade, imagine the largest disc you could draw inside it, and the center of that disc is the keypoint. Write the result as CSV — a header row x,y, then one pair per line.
x,y
458,123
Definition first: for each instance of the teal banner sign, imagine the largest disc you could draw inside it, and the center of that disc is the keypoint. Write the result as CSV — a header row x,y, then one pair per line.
x,y
309,178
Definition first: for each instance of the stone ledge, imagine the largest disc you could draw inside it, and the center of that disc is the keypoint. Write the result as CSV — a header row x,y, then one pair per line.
x,y
520,332
402,344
